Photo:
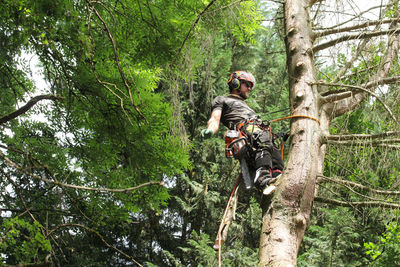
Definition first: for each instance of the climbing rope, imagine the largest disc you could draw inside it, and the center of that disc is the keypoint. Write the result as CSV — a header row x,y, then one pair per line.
x,y
290,117
222,225
297,116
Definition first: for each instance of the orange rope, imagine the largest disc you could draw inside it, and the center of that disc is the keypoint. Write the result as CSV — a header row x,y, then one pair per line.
x,y
297,116
293,116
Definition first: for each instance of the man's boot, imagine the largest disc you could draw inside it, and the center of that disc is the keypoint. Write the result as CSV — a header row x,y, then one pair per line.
x,y
262,178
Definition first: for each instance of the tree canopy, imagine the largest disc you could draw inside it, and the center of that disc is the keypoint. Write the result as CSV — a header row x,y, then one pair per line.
x,y
102,103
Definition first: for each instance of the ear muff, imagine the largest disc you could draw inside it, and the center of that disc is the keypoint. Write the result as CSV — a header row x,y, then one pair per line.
x,y
234,83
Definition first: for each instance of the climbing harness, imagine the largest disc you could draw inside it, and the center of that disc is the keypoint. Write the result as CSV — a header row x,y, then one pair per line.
x,y
239,145
237,139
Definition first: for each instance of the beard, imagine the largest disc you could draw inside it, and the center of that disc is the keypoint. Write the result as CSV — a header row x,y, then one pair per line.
x,y
244,95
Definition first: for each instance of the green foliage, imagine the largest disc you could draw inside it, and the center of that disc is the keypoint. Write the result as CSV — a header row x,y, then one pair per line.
x,y
332,241
204,254
124,82
386,251
23,242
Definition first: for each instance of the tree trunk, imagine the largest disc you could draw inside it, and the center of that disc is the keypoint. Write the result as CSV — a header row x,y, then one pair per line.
x,y
285,217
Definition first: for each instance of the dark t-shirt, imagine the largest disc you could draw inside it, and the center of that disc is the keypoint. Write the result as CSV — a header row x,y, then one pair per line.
x,y
234,110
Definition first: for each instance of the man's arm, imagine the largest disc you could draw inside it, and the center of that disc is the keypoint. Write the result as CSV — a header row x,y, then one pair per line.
x,y
213,122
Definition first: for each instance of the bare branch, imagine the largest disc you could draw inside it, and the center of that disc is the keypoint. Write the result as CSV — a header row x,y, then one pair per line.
x,y
382,81
349,37
359,186
332,98
98,235
357,16
28,106
358,203
348,64
393,147
355,27
377,143
361,136
117,190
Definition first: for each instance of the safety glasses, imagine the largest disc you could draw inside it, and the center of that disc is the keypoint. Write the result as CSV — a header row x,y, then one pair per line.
x,y
248,84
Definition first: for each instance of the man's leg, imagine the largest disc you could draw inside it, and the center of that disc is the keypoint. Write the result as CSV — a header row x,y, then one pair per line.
x,y
263,158
277,162
263,164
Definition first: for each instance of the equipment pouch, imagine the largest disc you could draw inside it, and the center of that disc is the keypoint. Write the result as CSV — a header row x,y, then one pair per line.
x,y
236,144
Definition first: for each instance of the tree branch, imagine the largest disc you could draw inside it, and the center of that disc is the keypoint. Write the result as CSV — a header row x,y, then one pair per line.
x,y
191,29
357,16
322,178
336,97
117,190
349,37
117,61
98,235
358,203
379,77
377,143
28,106
361,136
355,27
354,57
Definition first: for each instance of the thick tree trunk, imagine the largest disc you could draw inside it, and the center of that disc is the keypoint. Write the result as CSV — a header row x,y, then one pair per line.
x,y
285,217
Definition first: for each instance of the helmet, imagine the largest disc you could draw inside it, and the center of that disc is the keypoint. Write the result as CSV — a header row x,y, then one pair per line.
x,y
237,76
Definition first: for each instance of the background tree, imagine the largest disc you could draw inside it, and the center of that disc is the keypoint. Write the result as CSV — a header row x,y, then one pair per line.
x,y
84,159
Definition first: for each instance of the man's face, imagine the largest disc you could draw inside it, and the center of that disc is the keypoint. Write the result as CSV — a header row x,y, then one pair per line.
x,y
245,89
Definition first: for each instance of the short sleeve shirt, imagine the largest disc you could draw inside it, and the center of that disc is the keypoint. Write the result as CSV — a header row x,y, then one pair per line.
x,y
234,110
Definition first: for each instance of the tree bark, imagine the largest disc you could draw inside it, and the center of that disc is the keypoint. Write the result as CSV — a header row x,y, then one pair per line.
x,y
286,217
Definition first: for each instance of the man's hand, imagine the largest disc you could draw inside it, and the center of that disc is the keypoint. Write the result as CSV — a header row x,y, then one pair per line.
x,y
206,133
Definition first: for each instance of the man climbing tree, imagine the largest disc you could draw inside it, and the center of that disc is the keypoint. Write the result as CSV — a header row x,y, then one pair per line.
x,y
258,148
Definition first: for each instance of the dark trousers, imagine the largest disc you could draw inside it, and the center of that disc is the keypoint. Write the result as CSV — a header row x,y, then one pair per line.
x,y
265,153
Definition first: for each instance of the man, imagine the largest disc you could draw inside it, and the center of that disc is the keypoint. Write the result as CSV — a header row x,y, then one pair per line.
x,y
232,110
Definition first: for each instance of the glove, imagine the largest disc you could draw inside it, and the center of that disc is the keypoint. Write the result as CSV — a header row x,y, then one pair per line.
x,y
206,133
